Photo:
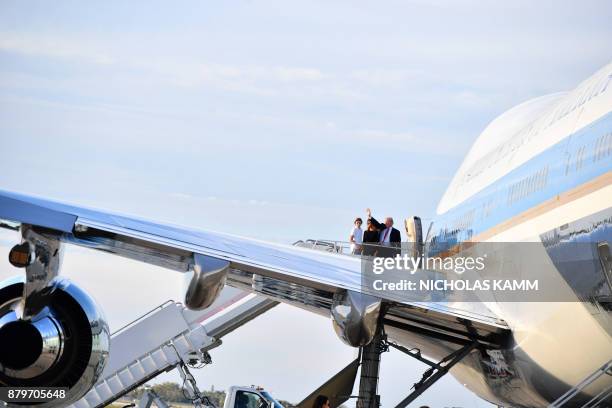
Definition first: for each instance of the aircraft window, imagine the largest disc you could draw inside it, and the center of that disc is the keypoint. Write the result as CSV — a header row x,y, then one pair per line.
x,y
603,147
517,191
527,186
579,157
510,194
488,208
543,178
246,399
598,148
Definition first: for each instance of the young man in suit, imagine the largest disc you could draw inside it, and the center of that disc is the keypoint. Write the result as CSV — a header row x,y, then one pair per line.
x,y
389,236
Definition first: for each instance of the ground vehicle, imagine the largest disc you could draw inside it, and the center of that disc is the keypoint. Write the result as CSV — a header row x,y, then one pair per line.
x,y
236,397
249,397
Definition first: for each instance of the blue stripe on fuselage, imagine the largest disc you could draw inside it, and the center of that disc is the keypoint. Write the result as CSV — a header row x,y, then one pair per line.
x,y
573,161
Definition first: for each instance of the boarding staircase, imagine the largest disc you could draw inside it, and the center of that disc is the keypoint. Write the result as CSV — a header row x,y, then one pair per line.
x,y
167,337
602,400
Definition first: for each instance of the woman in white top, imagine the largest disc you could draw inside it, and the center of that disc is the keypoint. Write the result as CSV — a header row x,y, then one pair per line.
x,y
356,237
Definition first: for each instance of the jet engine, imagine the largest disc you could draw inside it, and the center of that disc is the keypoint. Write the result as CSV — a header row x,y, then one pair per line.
x,y
64,345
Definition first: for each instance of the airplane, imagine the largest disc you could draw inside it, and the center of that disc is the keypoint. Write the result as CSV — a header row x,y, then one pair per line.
x,y
539,173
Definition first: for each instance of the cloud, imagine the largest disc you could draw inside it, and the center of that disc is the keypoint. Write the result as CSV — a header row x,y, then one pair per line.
x,y
298,74
181,196
182,72
38,45
256,79
409,141
384,77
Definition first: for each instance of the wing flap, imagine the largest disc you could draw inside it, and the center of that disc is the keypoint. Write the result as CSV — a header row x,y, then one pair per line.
x,y
285,273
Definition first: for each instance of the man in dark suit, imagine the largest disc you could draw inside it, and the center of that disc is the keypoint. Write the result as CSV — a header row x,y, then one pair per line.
x,y
389,236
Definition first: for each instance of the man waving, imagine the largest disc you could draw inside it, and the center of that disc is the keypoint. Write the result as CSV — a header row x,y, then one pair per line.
x,y
389,236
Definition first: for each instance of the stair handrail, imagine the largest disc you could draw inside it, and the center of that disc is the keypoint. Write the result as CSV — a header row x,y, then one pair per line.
x,y
161,306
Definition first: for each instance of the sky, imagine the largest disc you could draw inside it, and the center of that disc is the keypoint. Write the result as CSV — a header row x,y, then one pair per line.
x,y
270,119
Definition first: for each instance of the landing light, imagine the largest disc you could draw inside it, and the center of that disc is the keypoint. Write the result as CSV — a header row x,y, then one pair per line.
x,y
21,255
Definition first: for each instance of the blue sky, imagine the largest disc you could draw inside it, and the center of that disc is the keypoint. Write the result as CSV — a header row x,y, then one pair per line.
x,y
271,119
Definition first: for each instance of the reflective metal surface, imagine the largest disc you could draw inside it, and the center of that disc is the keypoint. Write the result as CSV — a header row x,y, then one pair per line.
x,y
44,267
355,317
65,345
132,248
297,265
314,299
542,176
100,340
208,279
311,278
40,337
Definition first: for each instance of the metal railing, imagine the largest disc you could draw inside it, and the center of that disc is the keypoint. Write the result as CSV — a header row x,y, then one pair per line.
x,y
133,322
343,247
602,397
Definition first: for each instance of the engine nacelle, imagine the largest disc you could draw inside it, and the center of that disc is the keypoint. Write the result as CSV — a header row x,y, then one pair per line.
x,y
64,345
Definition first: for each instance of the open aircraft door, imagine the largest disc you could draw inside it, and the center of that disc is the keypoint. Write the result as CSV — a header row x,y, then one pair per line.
x,y
338,388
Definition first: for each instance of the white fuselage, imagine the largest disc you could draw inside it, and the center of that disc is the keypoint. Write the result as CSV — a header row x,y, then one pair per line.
x,y
540,172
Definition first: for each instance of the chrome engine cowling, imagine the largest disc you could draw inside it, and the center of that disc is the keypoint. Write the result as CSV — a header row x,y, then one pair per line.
x,y
64,345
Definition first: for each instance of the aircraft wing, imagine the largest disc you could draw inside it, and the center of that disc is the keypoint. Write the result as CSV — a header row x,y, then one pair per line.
x,y
307,278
